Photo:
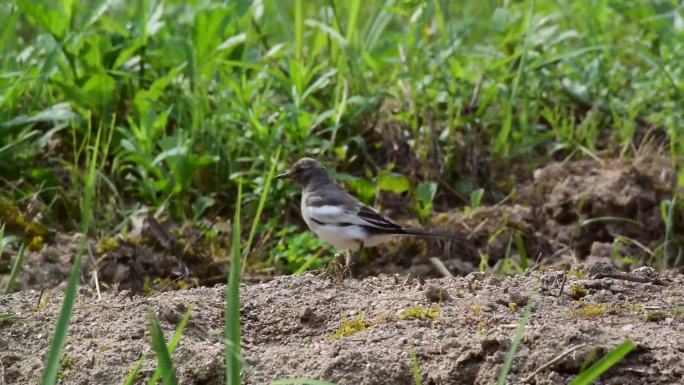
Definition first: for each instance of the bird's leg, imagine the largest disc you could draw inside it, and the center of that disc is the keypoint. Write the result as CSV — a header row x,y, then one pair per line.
x,y
348,261
337,267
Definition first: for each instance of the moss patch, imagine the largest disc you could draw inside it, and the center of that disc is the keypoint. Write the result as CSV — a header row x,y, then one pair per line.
x,y
656,316
350,327
577,291
420,312
585,309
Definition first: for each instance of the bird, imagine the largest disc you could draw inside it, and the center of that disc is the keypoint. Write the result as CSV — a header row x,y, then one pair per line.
x,y
338,217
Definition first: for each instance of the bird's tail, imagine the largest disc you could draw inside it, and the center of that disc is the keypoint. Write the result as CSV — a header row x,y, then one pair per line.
x,y
431,234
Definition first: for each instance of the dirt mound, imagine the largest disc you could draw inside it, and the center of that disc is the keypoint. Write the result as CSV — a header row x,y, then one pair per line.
x,y
363,331
570,212
154,258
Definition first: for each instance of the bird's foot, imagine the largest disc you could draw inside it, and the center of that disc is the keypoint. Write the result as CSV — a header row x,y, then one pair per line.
x,y
340,267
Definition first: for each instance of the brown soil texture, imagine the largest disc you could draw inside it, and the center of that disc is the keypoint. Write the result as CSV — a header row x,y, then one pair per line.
x,y
460,329
569,212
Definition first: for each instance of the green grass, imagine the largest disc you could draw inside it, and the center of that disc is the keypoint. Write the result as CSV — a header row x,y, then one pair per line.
x,y
515,343
606,362
168,373
231,333
61,328
134,372
187,110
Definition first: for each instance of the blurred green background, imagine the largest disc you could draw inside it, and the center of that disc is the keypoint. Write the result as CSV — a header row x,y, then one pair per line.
x,y
442,103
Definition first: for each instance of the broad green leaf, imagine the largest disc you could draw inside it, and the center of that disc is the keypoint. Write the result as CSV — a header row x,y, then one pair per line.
x,y
395,183
426,191
476,198
362,188
54,17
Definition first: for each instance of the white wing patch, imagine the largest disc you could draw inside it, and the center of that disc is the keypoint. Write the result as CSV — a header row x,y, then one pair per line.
x,y
333,215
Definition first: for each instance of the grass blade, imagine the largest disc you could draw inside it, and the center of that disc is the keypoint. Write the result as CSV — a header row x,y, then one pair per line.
x,y
172,344
16,267
132,376
61,329
605,363
162,351
57,344
415,369
260,207
231,332
508,361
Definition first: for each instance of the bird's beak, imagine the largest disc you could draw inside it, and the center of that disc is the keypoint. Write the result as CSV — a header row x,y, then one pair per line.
x,y
286,174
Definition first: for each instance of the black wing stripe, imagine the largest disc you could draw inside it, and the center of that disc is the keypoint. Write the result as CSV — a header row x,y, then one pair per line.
x,y
341,224
376,219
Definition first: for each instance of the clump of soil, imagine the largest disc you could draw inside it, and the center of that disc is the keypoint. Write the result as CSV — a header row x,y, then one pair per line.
x,y
152,257
363,331
570,212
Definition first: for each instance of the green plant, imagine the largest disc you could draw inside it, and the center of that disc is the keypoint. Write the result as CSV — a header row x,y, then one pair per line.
x,y
515,343
231,333
415,369
134,372
57,344
16,266
613,357
299,251
168,373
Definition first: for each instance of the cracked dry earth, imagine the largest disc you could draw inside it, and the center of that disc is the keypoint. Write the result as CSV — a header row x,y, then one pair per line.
x,y
460,336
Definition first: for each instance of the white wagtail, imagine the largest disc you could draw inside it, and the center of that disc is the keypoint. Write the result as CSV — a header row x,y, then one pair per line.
x,y
339,218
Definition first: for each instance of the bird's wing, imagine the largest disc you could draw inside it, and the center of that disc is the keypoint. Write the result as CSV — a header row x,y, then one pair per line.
x,y
332,205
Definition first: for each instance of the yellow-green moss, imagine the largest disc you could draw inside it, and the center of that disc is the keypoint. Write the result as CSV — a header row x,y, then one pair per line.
x,y
577,291
477,310
42,304
579,274
106,244
66,365
590,309
585,309
656,316
350,327
34,232
104,347
420,312
36,243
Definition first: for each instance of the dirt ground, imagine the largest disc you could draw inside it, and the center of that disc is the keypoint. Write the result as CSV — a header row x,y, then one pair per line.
x,y
362,331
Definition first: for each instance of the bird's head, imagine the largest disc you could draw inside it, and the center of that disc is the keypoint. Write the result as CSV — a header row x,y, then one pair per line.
x,y
305,171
